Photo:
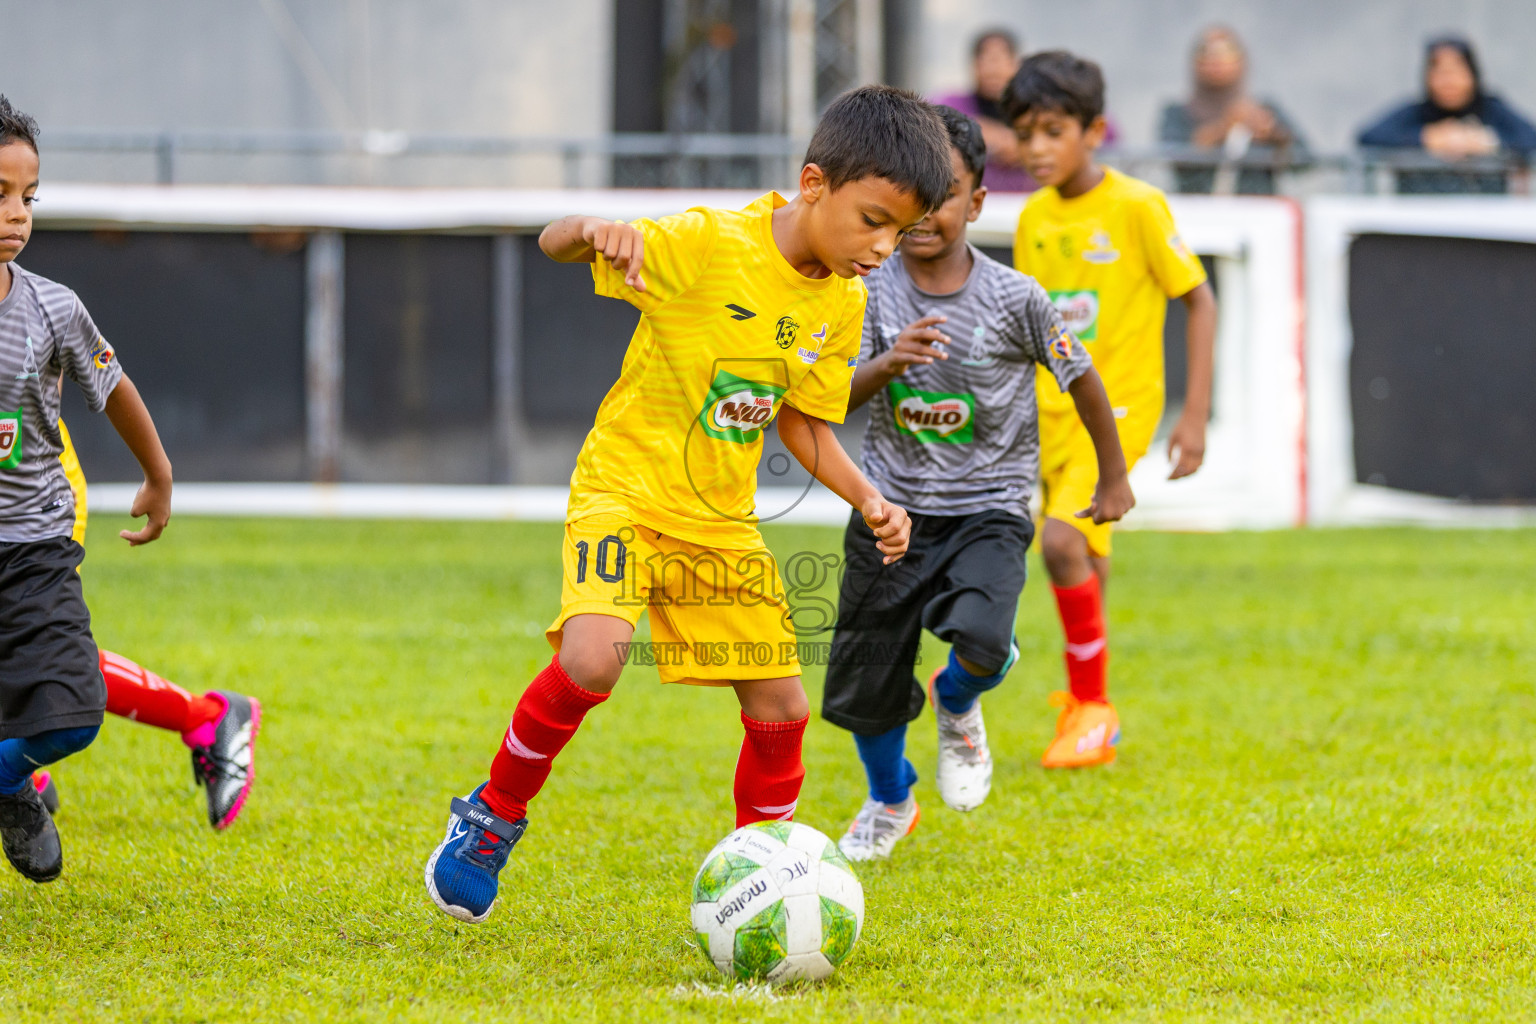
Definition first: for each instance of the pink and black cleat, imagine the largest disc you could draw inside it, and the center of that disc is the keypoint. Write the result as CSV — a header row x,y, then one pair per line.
x,y
43,782
223,756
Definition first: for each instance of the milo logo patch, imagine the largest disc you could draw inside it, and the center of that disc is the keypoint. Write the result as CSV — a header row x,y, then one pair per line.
x,y
1080,310
736,409
10,439
932,416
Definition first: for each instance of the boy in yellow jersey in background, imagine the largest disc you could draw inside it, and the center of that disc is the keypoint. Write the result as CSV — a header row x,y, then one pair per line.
x,y
1105,247
746,315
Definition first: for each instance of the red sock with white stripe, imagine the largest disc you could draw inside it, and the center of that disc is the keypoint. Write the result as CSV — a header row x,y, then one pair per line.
x,y
137,693
547,716
1087,654
769,771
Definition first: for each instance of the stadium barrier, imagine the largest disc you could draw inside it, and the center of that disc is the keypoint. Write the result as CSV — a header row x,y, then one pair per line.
x,y
531,346
1421,362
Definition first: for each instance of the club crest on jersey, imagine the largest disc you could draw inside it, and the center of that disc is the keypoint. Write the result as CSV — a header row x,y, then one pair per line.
x,y
785,334
102,353
1100,249
930,416
736,409
1060,345
10,439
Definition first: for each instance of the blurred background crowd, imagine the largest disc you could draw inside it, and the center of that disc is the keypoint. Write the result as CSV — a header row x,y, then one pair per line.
x,y
1238,97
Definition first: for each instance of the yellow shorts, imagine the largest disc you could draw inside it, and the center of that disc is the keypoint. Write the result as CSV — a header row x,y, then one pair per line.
x,y
717,616
1069,467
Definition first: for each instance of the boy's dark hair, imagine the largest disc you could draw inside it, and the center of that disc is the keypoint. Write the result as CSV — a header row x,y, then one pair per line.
x,y
1057,81
880,132
16,126
965,136
1005,36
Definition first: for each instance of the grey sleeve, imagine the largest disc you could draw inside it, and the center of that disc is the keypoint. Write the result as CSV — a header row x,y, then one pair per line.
x,y
871,343
86,357
1045,337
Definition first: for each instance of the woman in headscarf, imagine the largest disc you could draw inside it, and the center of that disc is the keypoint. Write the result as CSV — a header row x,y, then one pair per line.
x,y
1455,120
1221,116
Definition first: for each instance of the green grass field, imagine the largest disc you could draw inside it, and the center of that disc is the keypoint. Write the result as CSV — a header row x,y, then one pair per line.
x,y
1322,809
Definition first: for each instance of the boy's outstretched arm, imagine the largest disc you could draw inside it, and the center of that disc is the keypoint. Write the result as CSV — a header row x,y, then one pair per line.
x,y
130,418
1186,445
1112,498
579,239
812,442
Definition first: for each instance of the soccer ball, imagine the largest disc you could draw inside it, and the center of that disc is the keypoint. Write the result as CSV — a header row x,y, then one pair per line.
x,y
777,900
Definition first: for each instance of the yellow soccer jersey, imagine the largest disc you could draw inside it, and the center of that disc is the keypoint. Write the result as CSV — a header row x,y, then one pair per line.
x,y
728,331
1110,259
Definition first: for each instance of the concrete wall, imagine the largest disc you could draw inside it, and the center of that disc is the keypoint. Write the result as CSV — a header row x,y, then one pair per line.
x,y
496,67
1333,64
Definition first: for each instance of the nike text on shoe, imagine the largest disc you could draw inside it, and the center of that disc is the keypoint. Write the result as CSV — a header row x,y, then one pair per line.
x,y
462,872
226,766
878,828
965,762
30,839
48,789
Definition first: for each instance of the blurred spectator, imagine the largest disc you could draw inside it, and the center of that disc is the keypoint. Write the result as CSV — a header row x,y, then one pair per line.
x,y
1455,120
994,59
1222,117
995,56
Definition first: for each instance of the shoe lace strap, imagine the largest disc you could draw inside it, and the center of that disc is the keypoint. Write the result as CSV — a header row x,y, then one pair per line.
x,y
864,824
208,766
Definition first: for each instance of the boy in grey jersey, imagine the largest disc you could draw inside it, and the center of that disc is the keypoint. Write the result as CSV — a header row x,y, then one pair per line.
x,y
952,340
51,691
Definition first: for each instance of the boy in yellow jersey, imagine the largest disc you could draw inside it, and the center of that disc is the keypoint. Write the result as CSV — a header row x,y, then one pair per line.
x,y
1105,247
746,315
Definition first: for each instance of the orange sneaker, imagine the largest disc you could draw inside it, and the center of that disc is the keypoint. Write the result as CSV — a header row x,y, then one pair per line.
x,y
1086,733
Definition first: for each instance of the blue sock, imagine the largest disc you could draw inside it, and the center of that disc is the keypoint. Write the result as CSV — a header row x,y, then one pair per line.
x,y
21,756
957,689
890,774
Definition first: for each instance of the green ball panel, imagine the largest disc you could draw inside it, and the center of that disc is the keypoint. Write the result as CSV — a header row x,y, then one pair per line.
x,y
761,942
780,830
839,930
718,874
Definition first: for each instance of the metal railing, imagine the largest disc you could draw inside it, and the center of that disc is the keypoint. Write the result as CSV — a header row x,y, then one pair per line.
x,y
693,160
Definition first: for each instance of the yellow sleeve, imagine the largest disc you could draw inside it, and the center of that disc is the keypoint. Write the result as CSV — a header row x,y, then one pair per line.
x,y
677,249
824,391
1177,270
1021,243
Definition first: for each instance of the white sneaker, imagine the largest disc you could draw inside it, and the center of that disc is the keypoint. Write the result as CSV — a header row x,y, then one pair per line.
x,y
965,761
878,827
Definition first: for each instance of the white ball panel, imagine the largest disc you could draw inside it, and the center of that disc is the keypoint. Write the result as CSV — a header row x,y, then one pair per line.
x,y
801,967
753,844
803,923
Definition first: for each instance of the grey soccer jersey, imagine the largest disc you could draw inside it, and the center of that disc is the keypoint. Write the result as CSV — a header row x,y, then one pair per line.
x,y
961,435
45,335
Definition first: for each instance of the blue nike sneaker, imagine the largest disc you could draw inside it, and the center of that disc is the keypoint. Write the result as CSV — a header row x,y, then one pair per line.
x,y
461,873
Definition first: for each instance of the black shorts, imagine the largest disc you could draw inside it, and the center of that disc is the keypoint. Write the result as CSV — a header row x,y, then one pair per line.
x,y
960,579
50,673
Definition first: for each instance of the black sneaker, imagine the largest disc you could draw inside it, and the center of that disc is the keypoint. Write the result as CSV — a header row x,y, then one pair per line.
x,y
30,839
226,766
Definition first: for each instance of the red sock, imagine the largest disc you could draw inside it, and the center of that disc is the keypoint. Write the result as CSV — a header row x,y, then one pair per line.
x,y
137,693
769,772
546,718
1087,655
